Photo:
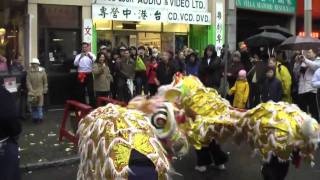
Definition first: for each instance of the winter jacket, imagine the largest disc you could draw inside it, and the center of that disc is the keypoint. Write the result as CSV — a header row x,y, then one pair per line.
x,y
192,68
272,90
124,70
283,74
241,93
210,74
37,84
102,77
151,73
233,71
305,79
180,65
10,125
140,67
316,79
165,73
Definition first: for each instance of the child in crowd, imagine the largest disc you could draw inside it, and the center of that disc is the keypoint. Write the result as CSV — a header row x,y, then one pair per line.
x,y
272,87
240,90
152,76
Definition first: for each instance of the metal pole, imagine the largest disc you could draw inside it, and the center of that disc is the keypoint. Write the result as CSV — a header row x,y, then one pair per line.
x,y
308,17
226,49
225,80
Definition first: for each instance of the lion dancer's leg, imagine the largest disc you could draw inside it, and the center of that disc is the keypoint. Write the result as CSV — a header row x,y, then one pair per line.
x,y
212,155
275,170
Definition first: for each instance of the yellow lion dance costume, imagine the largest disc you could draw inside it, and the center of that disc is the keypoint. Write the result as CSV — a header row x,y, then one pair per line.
x,y
109,134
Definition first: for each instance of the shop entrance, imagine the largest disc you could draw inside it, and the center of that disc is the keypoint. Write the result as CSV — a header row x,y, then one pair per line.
x,y
124,39
57,51
136,39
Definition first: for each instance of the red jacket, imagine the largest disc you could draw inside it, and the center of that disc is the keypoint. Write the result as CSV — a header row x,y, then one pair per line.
x,y
151,73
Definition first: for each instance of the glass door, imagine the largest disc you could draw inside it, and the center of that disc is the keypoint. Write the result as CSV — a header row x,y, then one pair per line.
x,y
57,51
124,39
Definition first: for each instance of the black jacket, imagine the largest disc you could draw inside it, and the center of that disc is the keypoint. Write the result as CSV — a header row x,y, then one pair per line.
x,y
272,90
9,123
210,74
165,73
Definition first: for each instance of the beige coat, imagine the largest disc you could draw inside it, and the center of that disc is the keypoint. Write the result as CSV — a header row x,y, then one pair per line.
x,y
37,84
102,77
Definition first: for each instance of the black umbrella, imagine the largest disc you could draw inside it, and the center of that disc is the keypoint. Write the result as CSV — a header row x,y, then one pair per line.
x,y
278,29
300,43
266,39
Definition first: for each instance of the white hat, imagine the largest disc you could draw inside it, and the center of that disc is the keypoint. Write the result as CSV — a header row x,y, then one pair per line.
x,y
155,52
35,61
103,47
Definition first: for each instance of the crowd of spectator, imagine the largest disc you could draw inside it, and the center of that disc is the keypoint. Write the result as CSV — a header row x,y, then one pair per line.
x,y
253,76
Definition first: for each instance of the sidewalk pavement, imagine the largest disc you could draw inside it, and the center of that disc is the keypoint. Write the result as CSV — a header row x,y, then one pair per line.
x,y
40,146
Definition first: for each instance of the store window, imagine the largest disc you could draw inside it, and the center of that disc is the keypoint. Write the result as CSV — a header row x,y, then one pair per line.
x,y
178,28
149,39
102,25
134,26
11,36
59,36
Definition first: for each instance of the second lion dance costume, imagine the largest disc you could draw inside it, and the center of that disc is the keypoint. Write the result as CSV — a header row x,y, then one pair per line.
x,y
137,142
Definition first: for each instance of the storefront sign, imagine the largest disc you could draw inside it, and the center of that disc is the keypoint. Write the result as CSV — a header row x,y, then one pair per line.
x,y
278,6
87,31
171,11
219,27
189,5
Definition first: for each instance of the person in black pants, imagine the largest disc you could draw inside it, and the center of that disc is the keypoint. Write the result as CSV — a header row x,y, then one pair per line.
x,y
275,170
10,128
304,69
211,155
84,62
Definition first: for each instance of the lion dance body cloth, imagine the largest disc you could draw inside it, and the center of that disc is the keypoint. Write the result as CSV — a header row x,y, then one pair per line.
x,y
107,137
110,135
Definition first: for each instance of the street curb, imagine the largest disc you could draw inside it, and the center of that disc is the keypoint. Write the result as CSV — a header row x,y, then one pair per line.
x,y
55,163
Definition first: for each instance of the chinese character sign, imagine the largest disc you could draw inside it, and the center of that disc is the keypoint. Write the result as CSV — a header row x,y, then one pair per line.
x,y
123,13
170,11
177,5
279,6
219,27
87,31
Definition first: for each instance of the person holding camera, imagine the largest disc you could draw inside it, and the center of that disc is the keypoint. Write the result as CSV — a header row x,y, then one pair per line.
x,y
84,61
304,69
37,86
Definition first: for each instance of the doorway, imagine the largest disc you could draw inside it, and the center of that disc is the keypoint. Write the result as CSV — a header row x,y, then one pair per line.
x,y
57,50
126,39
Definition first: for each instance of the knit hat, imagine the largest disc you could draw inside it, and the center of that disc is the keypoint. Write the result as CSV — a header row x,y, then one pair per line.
x,y
242,73
35,61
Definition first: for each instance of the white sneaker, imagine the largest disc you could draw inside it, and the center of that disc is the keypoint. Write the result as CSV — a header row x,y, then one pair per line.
x,y
221,167
201,168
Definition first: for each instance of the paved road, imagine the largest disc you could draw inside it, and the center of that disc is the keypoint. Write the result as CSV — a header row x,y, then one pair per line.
x,y
240,167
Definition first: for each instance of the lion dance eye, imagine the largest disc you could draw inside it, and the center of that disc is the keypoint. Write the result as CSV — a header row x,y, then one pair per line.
x,y
159,118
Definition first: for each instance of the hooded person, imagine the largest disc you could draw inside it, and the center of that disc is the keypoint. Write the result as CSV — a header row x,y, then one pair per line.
x,y
272,87
210,68
240,90
192,64
282,74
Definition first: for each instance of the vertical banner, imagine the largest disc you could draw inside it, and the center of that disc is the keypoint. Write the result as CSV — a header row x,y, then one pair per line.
x,y
94,42
219,27
87,32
